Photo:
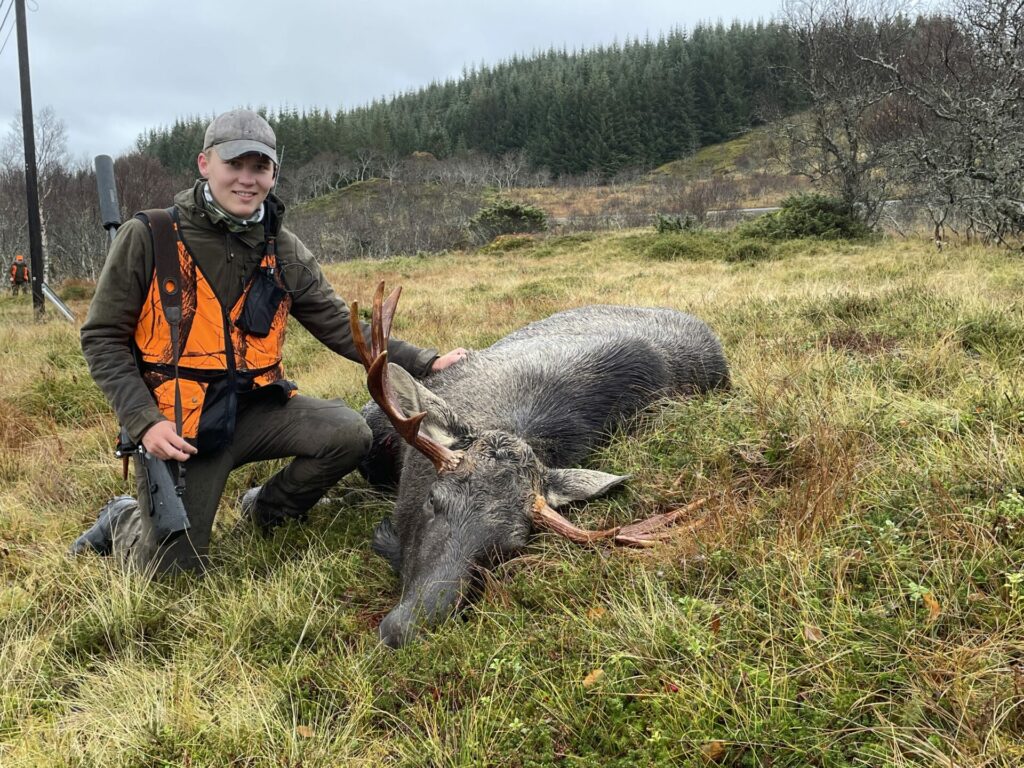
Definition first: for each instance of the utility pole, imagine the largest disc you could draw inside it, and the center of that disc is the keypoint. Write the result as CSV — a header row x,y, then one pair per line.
x,y
35,236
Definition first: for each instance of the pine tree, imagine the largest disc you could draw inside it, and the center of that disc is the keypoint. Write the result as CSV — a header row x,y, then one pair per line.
x,y
643,102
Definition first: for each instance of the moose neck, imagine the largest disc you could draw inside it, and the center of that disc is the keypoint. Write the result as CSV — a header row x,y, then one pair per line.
x,y
560,405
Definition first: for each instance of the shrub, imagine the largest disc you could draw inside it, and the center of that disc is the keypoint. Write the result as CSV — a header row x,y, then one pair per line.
x,y
504,243
808,215
676,246
505,217
71,290
750,250
686,223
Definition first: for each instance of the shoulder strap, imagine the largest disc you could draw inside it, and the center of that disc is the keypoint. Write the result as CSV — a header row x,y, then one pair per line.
x,y
168,269
168,277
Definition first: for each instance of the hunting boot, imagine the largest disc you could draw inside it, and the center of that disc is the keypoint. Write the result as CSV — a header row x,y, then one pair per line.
x,y
265,520
100,538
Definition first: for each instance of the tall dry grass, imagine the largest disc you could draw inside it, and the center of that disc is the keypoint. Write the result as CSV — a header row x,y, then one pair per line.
x,y
853,598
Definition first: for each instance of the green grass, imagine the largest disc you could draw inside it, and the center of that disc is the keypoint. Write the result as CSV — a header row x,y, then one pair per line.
x,y
853,597
357,190
749,152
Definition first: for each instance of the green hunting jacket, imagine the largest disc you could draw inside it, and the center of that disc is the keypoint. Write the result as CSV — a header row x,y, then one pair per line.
x,y
227,261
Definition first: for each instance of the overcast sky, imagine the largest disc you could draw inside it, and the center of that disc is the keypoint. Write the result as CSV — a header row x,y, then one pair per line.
x,y
114,68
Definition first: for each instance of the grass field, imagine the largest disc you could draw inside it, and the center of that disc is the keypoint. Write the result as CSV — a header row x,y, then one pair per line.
x,y
854,596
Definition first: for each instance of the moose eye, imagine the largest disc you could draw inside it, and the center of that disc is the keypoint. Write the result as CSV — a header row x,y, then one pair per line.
x,y
433,502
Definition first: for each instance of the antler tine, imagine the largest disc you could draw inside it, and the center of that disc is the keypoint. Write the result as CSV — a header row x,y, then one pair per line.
x,y
646,533
388,311
545,516
444,459
375,360
380,390
357,335
378,343
382,317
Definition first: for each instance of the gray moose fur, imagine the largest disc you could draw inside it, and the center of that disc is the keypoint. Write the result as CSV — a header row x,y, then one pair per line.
x,y
525,410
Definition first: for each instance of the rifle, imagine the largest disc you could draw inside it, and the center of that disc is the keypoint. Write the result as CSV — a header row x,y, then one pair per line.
x,y
164,484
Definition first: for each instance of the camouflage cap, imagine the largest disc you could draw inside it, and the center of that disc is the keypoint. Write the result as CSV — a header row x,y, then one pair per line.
x,y
239,132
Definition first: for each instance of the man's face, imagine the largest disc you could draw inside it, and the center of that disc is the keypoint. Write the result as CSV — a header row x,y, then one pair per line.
x,y
239,185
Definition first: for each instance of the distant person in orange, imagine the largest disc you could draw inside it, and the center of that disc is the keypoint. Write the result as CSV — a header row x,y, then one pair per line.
x,y
19,275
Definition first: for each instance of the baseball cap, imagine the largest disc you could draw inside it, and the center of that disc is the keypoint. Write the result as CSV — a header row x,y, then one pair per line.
x,y
239,132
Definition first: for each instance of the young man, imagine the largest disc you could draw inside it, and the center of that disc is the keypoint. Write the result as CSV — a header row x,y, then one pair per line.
x,y
19,275
241,275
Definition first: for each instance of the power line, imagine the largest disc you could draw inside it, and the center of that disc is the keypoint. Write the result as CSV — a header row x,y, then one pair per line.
x,y
3,47
32,7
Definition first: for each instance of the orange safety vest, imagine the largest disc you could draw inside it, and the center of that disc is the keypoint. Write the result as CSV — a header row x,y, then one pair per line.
x,y
16,267
217,358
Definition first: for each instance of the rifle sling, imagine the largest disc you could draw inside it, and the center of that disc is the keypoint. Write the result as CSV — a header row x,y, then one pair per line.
x,y
168,275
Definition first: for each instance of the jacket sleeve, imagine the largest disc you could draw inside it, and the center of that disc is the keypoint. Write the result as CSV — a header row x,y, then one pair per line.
x,y
108,333
325,315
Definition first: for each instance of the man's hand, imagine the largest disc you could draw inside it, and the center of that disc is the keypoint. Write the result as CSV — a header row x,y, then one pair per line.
x,y
454,356
162,440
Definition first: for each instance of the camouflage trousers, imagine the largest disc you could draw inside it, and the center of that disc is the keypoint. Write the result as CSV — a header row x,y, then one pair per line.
x,y
326,438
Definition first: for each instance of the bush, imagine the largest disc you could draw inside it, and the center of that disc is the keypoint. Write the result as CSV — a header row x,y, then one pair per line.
x,y
503,243
686,223
808,215
746,250
71,290
504,217
680,246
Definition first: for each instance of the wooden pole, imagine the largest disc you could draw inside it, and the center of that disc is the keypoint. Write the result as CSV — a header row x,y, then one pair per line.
x,y
35,237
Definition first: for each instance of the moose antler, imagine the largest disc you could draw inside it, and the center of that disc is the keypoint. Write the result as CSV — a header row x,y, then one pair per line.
x,y
646,533
375,360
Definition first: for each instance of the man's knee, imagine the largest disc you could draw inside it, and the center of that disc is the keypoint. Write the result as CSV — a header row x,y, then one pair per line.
x,y
347,435
166,560
142,552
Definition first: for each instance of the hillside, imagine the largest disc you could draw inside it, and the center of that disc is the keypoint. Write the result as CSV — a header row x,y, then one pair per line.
x,y
743,172
853,596
426,208
636,104
753,152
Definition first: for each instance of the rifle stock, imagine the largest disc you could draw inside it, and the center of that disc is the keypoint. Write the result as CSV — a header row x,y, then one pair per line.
x,y
166,508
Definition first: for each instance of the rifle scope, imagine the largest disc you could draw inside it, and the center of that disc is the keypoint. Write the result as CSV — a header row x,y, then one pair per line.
x,y
106,186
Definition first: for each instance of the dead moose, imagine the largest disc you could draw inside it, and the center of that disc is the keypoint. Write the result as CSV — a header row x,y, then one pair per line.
x,y
489,442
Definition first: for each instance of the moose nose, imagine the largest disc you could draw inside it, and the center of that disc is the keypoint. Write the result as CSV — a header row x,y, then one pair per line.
x,y
396,629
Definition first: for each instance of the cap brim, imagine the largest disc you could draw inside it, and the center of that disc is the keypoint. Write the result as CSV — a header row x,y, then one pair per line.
x,y
229,150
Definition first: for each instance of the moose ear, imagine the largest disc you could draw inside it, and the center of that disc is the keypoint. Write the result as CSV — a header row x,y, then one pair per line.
x,y
441,425
564,485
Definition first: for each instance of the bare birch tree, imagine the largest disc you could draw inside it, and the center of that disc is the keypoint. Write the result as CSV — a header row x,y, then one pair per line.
x,y
845,140
52,159
963,149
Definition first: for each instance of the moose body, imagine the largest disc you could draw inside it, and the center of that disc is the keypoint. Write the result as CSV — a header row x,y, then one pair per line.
x,y
517,416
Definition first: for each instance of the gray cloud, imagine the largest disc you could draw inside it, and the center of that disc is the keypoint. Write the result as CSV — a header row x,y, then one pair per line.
x,y
113,68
